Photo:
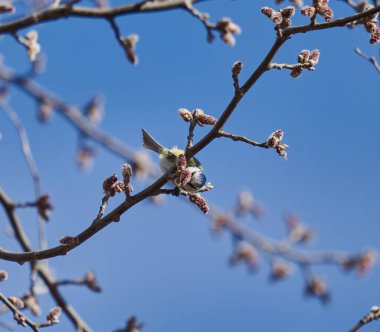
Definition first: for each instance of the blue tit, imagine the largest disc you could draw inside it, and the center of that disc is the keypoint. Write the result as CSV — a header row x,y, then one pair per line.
x,y
168,159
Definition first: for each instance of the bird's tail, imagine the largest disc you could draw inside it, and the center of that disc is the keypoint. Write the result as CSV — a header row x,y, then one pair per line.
x,y
150,143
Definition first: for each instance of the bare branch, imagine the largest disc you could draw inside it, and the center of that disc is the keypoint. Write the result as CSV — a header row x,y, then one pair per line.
x,y
371,59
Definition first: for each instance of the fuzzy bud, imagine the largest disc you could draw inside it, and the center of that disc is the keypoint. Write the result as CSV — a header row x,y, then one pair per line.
x,y
68,240
181,162
303,57
246,253
199,201
31,44
227,30
53,315
267,11
109,183
275,138
17,302
236,68
6,7
296,72
184,177
90,281
185,114
280,271
44,207
308,11
84,157
31,303
219,221
327,14
3,275
129,44
203,119
276,18
288,12
281,152
45,110
314,57
375,36
126,172
94,109
297,3
317,287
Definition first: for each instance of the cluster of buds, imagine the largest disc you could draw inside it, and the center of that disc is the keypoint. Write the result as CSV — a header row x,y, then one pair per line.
x,y
246,204
111,185
199,201
319,7
362,263
280,271
274,141
298,232
203,119
127,172
306,60
182,175
44,207
227,30
197,116
281,18
31,303
93,111
31,44
90,281
370,24
317,287
129,44
245,253
53,315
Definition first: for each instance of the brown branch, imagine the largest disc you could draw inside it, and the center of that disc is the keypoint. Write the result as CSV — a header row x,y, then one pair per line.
x,y
373,314
68,10
21,319
41,270
242,139
371,59
132,200
265,65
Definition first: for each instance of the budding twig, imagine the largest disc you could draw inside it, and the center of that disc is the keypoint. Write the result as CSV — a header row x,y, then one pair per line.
x,y
373,314
371,59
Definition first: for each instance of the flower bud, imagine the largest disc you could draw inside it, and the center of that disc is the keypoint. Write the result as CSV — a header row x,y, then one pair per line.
x,y
185,114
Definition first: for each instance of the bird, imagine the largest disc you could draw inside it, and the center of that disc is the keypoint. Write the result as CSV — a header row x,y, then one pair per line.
x,y
168,159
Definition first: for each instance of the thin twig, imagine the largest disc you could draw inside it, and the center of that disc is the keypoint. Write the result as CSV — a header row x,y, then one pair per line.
x,y
373,314
20,318
41,269
68,10
371,59
74,116
242,139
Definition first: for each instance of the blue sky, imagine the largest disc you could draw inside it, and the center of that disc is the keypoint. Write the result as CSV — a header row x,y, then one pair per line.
x,y
161,263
